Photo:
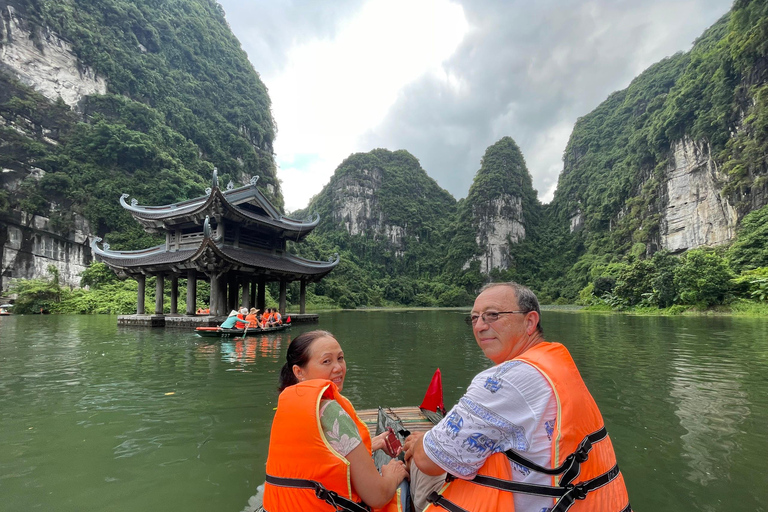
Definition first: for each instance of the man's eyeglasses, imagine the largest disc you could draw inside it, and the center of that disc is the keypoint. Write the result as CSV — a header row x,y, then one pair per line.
x,y
490,316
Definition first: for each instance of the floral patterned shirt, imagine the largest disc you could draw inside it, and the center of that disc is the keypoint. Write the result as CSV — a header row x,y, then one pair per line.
x,y
339,428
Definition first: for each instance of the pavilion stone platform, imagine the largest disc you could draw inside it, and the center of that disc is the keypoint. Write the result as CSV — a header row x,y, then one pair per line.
x,y
234,239
185,322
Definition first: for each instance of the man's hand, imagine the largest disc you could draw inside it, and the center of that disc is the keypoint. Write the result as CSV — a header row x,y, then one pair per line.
x,y
414,453
410,445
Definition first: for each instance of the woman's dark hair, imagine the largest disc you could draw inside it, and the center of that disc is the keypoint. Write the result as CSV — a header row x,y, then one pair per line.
x,y
298,353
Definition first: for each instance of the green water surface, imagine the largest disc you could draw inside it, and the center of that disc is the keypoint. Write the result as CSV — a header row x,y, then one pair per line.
x,y
94,417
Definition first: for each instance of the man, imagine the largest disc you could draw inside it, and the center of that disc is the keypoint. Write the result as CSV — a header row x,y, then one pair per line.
x,y
527,435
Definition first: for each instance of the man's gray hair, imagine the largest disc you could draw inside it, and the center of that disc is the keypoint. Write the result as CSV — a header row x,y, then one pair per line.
x,y
526,299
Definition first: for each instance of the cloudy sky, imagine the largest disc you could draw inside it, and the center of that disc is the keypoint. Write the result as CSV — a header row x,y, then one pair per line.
x,y
446,79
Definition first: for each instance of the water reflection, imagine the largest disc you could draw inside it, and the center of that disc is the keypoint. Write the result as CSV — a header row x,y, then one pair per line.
x,y
711,406
243,352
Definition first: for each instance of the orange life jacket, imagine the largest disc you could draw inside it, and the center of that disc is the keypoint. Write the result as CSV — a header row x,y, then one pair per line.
x,y
299,450
241,321
585,476
251,319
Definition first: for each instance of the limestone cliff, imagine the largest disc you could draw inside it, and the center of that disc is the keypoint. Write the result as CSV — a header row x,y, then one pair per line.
x,y
500,204
696,212
387,198
31,244
44,61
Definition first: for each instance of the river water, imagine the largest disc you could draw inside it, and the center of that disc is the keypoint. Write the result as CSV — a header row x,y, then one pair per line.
x,y
95,417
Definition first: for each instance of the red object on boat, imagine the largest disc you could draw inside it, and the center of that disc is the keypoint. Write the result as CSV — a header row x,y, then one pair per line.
x,y
288,320
433,399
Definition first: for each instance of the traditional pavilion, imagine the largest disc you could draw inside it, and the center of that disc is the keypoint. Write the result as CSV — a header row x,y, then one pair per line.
x,y
233,238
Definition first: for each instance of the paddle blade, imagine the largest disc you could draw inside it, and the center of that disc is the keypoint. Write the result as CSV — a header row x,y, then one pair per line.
x,y
433,399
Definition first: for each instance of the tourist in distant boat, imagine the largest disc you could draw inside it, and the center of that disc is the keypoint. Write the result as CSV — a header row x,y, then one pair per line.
x,y
241,322
252,318
276,319
229,323
265,318
338,454
525,420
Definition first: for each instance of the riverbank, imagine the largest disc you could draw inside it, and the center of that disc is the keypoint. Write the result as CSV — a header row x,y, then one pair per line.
x,y
741,308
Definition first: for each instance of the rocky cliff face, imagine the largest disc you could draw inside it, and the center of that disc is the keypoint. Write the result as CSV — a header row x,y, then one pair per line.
x,y
500,203
500,223
45,62
696,213
384,196
31,244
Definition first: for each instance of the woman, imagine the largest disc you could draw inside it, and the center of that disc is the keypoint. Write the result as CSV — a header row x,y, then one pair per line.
x,y
252,318
229,323
338,453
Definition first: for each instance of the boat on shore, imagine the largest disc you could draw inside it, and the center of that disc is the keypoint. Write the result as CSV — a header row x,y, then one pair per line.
x,y
218,332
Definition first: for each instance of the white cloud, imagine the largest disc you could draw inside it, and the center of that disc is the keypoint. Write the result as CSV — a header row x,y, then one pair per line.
x,y
332,90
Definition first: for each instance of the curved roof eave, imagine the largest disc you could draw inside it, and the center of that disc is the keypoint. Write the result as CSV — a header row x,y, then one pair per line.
x,y
154,215
287,264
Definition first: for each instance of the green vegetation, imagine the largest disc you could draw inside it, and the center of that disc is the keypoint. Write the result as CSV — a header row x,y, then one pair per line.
x,y
618,155
182,98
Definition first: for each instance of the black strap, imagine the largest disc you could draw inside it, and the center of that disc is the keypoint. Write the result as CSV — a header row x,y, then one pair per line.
x,y
339,502
566,495
580,490
571,462
439,500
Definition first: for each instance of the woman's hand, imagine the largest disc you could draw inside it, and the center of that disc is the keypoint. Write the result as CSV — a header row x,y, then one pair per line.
x,y
395,470
379,443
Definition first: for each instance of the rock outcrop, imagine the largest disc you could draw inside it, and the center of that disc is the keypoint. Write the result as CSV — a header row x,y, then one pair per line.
x,y
696,213
31,244
500,202
500,223
45,62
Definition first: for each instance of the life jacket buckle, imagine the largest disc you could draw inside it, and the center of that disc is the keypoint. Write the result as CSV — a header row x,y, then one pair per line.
x,y
578,491
323,493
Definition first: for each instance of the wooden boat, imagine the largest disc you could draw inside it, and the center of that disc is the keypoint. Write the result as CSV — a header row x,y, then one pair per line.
x,y
406,420
218,332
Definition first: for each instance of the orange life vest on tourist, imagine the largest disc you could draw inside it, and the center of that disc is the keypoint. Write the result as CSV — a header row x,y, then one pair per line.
x,y
298,450
251,319
241,321
585,476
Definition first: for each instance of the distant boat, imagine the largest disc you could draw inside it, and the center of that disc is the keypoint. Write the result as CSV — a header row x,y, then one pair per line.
x,y
218,332
4,309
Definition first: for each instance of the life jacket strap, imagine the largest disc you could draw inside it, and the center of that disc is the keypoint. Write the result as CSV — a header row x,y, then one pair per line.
x,y
341,503
566,495
570,466
439,500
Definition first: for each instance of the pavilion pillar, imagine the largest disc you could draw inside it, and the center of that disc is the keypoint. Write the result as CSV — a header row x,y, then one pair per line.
x,y
142,282
246,298
174,294
303,297
233,295
283,289
159,294
213,300
254,304
261,301
191,291
223,303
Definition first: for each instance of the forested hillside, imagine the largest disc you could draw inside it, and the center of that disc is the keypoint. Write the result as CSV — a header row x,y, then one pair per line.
x,y
181,97
617,181
662,201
